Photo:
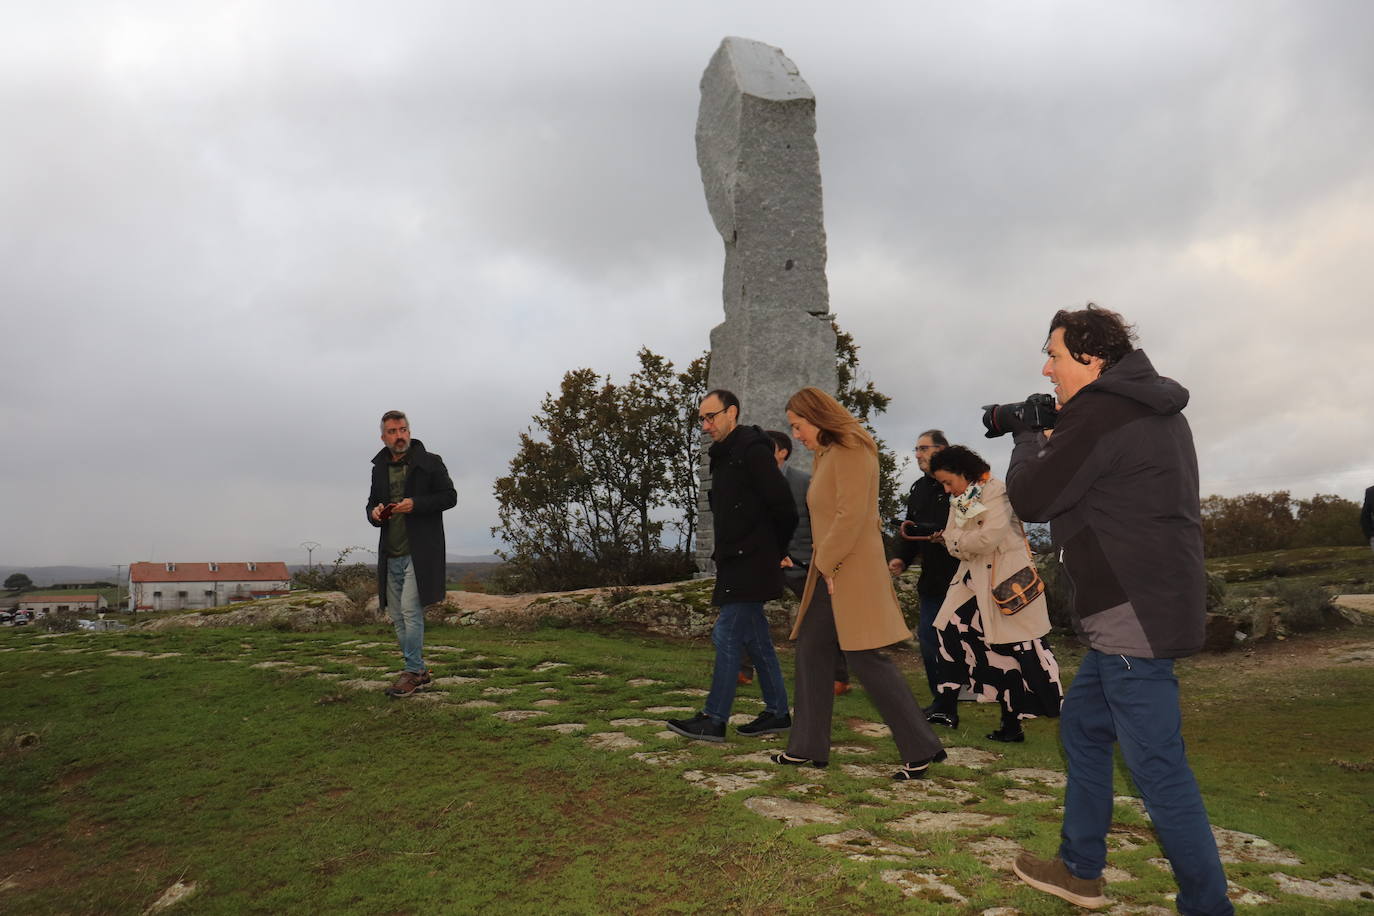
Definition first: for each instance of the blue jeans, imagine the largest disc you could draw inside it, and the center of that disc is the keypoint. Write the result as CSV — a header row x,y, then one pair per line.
x,y
930,640
1134,702
407,614
744,625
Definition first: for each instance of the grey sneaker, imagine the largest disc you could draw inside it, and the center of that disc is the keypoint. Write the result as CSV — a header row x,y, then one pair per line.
x,y
766,724
1054,877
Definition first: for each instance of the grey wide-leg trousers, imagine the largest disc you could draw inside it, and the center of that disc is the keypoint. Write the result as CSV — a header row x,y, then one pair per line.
x,y
818,648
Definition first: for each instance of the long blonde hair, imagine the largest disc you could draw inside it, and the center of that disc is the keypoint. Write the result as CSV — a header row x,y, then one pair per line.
x,y
837,426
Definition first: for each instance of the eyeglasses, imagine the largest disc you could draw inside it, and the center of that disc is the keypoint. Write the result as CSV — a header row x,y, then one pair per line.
x,y
711,417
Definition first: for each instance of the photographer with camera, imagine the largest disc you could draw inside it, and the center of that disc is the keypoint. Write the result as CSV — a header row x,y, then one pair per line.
x,y
1117,480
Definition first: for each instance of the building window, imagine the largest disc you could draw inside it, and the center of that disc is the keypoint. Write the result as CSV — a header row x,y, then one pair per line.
x,y
181,594
209,593
157,594
63,607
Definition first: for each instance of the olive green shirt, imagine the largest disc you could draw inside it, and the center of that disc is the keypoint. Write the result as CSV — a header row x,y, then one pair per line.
x,y
397,544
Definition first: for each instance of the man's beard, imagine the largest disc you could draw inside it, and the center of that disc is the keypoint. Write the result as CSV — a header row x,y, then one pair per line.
x,y
399,447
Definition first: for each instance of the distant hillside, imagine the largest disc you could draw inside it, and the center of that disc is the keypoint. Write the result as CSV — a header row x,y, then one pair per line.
x,y
45,576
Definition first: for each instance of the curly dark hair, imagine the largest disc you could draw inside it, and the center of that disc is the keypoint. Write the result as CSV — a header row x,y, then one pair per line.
x,y
1094,331
961,460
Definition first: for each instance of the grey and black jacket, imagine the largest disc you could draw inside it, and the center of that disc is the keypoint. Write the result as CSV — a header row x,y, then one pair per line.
x,y
1118,483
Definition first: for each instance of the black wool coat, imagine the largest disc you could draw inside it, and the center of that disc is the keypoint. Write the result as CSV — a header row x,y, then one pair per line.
x,y
753,517
431,489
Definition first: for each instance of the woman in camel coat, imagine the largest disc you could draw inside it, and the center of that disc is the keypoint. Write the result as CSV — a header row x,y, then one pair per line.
x,y
1003,658
848,604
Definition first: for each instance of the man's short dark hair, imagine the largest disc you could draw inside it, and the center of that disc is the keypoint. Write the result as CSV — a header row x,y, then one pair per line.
x,y
781,441
727,398
1094,331
961,460
393,415
937,436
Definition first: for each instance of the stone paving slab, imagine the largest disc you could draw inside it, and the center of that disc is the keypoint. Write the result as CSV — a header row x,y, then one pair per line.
x,y
971,757
479,704
635,722
518,715
662,758
613,741
922,884
944,821
456,681
862,846
1031,775
667,709
920,791
1339,887
793,813
726,783
642,682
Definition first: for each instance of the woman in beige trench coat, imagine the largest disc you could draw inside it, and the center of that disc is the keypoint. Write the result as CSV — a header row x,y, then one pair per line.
x,y
848,604
1002,658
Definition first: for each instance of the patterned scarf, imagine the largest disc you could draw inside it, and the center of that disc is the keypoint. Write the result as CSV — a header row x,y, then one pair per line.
x,y
968,504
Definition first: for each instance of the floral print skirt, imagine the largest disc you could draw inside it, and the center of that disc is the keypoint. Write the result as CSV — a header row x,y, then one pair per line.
x,y
1022,676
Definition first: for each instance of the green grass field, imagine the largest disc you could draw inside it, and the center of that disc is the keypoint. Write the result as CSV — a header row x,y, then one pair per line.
x,y
246,762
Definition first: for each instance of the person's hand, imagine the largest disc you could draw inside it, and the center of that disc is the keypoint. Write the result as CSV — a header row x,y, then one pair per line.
x,y
404,506
896,566
786,563
376,512
830,584
938,537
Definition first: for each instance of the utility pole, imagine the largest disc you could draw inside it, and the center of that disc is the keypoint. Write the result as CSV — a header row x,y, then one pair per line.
x,y
118,587
310,552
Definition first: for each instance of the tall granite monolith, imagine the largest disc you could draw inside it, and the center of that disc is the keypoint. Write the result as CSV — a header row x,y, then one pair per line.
x,y
756,145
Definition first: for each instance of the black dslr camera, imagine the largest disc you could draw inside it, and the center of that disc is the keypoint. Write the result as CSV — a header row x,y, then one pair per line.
x,y
1037,412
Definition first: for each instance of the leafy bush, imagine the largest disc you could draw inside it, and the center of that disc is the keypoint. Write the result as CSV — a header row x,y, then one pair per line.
x,y
64,622
358,582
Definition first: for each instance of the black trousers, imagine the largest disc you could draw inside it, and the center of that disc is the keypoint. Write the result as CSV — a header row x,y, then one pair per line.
x,y
818,650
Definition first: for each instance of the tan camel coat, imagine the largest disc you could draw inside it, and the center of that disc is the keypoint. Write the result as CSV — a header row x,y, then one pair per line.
x,y
848,546
995,537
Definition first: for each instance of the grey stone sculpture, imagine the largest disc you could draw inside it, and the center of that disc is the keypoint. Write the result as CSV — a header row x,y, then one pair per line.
x,y
756,145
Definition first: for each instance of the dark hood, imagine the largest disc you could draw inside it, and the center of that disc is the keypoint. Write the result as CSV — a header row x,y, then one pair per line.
x,y
1135,378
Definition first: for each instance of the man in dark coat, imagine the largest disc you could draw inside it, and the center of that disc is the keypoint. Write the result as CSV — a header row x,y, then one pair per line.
x,y
927,510
1367,516
1117,480
410,491
753,517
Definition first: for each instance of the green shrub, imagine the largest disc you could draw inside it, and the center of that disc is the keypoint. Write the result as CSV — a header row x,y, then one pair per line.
x,y
1305,604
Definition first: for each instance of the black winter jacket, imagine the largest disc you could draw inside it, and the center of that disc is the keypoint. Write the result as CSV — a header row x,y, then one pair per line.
x,y
429,485
1118,483
752,514
928,505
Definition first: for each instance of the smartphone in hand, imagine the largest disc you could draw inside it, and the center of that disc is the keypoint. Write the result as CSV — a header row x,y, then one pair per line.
x,y
386,512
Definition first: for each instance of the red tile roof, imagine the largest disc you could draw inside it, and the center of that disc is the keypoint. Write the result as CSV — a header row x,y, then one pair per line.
x,y
201,572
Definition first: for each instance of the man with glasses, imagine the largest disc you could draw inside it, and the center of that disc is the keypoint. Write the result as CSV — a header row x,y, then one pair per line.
x,y
753,518
927,508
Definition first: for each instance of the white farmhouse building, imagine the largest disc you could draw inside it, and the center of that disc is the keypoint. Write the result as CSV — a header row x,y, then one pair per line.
x,y
193,586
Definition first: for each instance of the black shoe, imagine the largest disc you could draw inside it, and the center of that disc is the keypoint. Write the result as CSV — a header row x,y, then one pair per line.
x,y
917,769
1008,733
766,724
945,719
701,727
788,760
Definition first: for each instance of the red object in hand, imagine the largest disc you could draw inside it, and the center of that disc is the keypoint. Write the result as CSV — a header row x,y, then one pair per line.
x,y
386,512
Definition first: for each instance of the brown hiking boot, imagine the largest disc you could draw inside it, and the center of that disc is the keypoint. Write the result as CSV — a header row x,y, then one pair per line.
x,y
405,685
1054,877
423,678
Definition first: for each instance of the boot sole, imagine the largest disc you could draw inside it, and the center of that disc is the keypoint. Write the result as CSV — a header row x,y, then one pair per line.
x,y
763,731
1063,893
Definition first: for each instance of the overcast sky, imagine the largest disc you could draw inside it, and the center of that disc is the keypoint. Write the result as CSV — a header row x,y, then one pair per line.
x,y
233,234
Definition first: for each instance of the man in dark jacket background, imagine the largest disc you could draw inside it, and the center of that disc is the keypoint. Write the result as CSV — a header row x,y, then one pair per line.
x,y
927,510
753,518
1117,480
410,491
1367,516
